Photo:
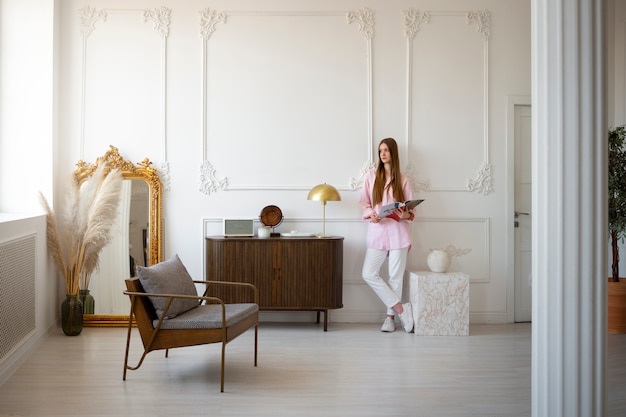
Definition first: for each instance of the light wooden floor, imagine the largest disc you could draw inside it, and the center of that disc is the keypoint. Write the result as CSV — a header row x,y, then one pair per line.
x,y
351,370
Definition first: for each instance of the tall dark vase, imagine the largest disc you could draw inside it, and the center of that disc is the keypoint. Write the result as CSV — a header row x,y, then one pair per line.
x,y
72,315
89,303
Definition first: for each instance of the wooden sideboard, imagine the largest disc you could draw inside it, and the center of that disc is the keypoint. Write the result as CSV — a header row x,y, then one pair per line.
x,y
291,273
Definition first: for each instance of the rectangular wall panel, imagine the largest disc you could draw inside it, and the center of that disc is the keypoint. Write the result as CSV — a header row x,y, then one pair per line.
x,y
448,117
287,97
123,95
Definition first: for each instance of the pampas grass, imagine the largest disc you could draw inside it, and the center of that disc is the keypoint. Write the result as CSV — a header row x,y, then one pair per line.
x,y
77,235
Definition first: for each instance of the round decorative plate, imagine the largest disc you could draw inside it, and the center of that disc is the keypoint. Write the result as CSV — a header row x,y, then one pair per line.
x,y
297,234
271,216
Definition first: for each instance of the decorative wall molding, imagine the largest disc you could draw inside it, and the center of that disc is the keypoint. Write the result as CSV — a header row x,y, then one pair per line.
x,y
356,183
208,19
412,21
163,170
160,17
88,18
365,19
418,183
210,182
482,181
482,19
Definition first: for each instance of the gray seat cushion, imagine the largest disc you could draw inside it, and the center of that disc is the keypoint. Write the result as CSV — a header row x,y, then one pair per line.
x,y
168,277
209,316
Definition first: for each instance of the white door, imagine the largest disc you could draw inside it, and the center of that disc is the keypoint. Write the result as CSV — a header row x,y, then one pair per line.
x,y
523,216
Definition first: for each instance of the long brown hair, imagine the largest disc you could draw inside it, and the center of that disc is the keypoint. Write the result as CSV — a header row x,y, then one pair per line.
x,y
396,177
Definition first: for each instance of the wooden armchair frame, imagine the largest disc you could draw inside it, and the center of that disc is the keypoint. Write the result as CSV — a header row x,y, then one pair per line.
x,y
156,338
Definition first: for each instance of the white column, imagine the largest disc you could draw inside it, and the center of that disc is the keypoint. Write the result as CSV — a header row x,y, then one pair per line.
x,y
569,208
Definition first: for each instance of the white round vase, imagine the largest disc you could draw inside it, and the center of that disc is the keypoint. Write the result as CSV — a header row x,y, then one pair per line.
x,y
438,260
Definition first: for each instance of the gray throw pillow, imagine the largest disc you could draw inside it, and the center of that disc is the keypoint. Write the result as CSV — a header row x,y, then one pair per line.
x,y
168,277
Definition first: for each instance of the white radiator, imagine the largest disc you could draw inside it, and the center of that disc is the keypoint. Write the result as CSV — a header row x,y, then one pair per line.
x,y
17,291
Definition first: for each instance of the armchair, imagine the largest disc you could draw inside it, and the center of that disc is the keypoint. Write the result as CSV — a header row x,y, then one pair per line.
x,y
179,317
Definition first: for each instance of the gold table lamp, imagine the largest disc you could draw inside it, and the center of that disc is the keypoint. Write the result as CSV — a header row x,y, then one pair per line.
x,y
324,192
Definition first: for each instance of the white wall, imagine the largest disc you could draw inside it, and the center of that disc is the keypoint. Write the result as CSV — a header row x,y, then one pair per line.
x,y
26,103
26,142
284,95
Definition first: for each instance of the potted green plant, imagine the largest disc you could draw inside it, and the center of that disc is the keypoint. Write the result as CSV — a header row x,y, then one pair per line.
x,y
76,236
617,226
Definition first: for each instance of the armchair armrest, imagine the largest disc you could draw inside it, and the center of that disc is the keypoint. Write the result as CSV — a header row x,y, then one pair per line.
x,y
232,284
172,297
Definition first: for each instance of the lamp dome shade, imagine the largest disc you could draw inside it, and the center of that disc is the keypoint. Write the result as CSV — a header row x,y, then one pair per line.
x,y
324,192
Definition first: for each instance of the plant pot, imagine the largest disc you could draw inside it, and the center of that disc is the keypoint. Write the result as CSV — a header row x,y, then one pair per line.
x,y
617,307
72,315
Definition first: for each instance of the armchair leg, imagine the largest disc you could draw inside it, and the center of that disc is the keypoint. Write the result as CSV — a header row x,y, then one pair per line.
x,y
256,343
223,360
130,326
146,350
126,366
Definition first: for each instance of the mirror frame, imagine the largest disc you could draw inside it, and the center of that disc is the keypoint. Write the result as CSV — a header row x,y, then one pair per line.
x,y
140,171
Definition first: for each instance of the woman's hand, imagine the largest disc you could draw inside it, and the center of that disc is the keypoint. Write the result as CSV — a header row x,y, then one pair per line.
x,y
374,218
402,214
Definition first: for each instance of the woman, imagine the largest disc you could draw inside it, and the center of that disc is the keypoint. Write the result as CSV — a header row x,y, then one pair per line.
x,y
387,237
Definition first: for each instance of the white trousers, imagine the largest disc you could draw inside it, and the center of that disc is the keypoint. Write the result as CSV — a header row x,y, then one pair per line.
x,y
389,293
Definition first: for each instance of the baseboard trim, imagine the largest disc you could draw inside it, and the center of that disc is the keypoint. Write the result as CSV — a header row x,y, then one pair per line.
x,y
23,351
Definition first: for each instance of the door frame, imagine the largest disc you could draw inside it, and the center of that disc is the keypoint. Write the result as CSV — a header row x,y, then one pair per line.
x,y
511,102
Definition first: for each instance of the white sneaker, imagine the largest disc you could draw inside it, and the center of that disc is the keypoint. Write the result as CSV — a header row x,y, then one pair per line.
x,y
389,325
407,317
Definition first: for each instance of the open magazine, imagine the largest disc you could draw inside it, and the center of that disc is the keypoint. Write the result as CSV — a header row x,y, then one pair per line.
x,y
388,209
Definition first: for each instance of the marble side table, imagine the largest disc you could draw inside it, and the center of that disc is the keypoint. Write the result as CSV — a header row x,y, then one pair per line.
x,y
440,303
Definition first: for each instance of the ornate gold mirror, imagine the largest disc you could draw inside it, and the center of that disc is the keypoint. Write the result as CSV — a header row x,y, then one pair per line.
x,y
136,237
